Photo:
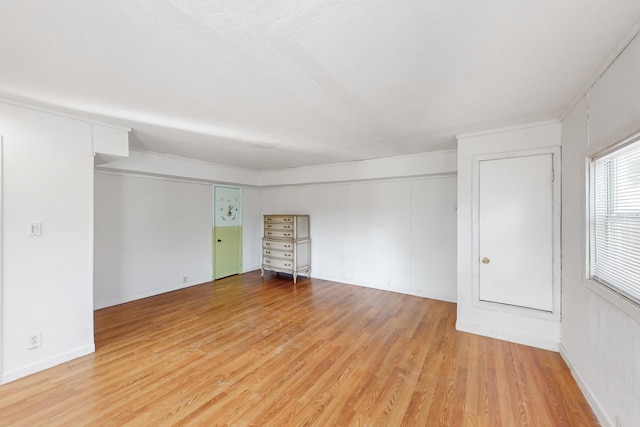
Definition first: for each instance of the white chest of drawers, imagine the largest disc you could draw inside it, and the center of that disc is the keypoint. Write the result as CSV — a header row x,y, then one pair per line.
x,y
286,247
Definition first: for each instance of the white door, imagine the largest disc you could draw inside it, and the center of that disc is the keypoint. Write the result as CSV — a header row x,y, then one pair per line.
x,y
515,231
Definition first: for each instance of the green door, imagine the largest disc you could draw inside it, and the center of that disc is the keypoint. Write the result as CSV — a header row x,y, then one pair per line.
x,y
227,231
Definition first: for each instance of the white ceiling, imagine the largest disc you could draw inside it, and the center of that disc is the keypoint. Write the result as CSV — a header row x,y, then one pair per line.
x,y
274,84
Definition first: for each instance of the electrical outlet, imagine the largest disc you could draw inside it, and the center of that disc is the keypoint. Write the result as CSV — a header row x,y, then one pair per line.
x,y
184,279
34,340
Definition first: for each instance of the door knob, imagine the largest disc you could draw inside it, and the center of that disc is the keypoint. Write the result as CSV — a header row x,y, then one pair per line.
x,y
485,260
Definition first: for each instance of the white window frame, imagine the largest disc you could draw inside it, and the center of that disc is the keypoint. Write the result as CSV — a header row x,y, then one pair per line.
x,y
606,291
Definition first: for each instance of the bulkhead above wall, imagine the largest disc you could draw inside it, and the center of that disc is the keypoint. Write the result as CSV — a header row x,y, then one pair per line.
x,y
109,143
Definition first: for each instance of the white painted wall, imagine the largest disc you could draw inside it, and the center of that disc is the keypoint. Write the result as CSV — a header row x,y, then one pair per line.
x,y
111,141
515,327
423,164
47,281
251,229
169,166
398,235
600,333
149,234
433,163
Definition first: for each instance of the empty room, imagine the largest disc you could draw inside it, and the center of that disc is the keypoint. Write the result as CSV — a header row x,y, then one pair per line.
x,y
323,213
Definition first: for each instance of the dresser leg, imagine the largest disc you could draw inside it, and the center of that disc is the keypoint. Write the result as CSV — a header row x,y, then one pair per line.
x,y
261,271
295,278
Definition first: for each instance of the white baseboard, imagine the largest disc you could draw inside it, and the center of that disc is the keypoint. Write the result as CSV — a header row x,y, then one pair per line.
x,y
501,335
430,295
46,364
133,297
597,408
434,295
249,269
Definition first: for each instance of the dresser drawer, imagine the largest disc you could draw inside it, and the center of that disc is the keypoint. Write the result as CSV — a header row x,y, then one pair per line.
x,y
278,234
277,245
277,254
268,219
278,263
278,226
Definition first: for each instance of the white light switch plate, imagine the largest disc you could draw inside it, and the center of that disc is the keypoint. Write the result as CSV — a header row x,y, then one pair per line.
x,y
35,229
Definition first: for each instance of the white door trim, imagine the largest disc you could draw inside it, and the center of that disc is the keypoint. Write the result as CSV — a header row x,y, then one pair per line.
x,y
1,260
555,314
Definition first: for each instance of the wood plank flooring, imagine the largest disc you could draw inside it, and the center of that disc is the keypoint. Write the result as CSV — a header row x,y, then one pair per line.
x,y
245,352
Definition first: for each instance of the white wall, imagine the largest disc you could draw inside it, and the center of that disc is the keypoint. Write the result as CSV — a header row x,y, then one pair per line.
x,y
600,340
413,165
171,166
153,164
395,234
515,327
251,229
149,234
46,281
398,235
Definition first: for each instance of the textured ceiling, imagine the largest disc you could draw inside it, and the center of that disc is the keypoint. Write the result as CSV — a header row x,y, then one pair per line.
x,y
275,84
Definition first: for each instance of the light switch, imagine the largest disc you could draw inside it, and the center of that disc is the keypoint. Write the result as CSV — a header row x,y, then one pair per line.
x,y
35,229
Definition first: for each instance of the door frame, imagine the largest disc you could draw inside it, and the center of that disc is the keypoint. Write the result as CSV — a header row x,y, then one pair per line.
x,y
213,230
555,314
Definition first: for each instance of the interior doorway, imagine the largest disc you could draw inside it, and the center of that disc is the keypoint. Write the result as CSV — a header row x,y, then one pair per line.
x,y
227,231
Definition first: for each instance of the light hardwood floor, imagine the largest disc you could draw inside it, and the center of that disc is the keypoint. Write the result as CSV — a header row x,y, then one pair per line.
x,y
241,351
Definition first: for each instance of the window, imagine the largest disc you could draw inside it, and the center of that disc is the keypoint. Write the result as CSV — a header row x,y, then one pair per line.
x,y
615,220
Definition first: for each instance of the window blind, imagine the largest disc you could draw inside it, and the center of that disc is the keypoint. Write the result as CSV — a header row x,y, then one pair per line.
x,y
615,221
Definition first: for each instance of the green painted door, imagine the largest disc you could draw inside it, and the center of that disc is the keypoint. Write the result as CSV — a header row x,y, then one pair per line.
x,y
227,231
